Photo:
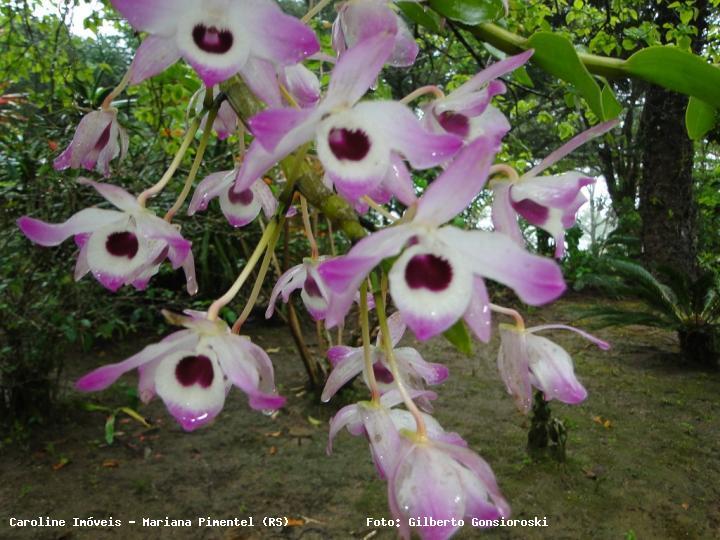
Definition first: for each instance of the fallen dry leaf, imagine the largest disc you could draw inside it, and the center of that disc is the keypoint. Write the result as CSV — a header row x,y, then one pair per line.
x,y
273,450
111,463
274,434
60,464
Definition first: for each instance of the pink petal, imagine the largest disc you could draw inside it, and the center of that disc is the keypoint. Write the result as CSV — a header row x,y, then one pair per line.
x,y
604,345
478,314
302,84
154,228
514,366
552,370
53,234
260,76
405,134
155,54
282,286
153,16
115,195
350,366
536,280
458,185
432,373
503,215
494,71
357,69
104,376
275,36
571,145
210,187
272,126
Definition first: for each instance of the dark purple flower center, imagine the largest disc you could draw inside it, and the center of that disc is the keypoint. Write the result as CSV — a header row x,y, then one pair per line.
x,y
212,40
382,374
428,271
104,138
195,369
535,213
122,244
245,197
352,144
455,123
311,288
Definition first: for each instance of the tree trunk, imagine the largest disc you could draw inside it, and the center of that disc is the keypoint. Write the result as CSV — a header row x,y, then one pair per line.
x,y
667,205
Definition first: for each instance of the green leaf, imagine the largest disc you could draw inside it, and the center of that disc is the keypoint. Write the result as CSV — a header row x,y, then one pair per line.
x,y
469,11
416,13
460,337
110,429
677,70
521,76
556,55
699,118
132,413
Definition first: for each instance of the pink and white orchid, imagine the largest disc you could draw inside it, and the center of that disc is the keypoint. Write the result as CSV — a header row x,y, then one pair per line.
x,y
98,139
361,145
438,278
123,247
239,208
445,482
313,292
526,360
549,202
218,38
361,19
348,362
193,369
467,112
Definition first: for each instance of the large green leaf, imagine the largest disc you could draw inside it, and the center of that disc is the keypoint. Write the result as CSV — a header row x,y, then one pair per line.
x,y
699,118
469,11
556,55
416,13
677,70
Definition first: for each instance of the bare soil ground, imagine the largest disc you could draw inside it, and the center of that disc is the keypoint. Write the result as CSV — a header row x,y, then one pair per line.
x,y
643,456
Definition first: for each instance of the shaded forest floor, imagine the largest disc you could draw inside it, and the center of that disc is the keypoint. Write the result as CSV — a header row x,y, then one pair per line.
x,y
643,454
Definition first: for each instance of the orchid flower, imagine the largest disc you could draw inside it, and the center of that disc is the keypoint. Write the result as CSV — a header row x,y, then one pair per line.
x,y
120,248
98,139
348,362
549,202
314,293
377,422
467,112
446,482
239,208
193,369
218,38
360,19
302,84
360,145
438,278
526,360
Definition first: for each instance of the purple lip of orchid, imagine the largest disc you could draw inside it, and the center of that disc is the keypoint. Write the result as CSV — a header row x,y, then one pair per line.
x,y
124,247
122,244
440,278
245,197
352,145
212,40
218,39
428,271
195,370
361,145
192,370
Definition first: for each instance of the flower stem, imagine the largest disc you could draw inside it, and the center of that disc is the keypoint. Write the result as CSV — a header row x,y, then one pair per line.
x,y
262,272
196,164
519,322
225,299
379,208
157,188
423,90
365,325
392,363
506,170
315,10
107,102
308,229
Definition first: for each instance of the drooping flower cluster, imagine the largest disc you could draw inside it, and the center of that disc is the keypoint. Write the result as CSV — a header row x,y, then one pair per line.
x,y
433,271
